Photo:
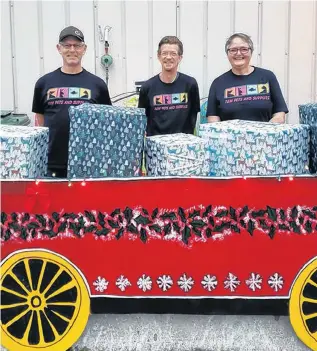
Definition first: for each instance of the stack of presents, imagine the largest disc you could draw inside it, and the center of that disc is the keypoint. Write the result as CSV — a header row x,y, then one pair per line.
x,y
108,141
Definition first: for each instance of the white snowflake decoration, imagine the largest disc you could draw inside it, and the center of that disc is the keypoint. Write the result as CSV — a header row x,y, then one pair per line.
x,y
276,282
232,282
209,282
145,283
122,283
101,284
254,282
185,283
165,282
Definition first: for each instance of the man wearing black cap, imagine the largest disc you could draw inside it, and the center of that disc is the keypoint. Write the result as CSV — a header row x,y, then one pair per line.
x,y
69,85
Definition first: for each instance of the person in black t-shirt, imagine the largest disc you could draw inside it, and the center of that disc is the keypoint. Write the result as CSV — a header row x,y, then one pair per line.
x,y
69,85
245,92
171,98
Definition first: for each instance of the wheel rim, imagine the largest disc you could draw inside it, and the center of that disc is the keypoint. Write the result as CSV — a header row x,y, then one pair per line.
x,y
40,301
308,303
303,305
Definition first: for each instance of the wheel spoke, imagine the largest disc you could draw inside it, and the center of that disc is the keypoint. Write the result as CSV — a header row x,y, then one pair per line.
x,y
41,276
58,273
312,283
39,323
27,331
18,281
56,335
307,299
28,272
61,304
13,292
62,289
3,307
309,316
17,318
62,317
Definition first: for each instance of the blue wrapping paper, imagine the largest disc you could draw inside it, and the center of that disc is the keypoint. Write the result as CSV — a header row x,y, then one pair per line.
x,y
105,141
238,148
308,115
24,152
176,155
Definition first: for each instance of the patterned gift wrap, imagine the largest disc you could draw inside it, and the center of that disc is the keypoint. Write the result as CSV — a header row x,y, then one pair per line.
x,y
23,152
176,155
105,141
308,115
238,148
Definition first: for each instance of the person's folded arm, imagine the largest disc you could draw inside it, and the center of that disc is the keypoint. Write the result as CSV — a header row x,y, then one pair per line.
x,y
39,120
278,117
212,119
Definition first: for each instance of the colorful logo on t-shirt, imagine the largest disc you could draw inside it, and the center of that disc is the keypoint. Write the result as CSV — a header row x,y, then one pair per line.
x,y
167,99
63,92
263,88
252,89
52,93
176,98
68,93
242,90
231,92
170,99
247,90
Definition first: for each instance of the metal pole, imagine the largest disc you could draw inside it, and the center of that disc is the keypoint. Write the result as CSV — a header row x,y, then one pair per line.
x,y
13,57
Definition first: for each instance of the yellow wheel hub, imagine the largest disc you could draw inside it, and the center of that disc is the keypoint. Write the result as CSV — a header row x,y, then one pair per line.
x,y
303,305
44,302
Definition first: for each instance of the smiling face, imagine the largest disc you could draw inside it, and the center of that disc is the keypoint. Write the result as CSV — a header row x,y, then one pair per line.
x,y
72,51
169,57
239,53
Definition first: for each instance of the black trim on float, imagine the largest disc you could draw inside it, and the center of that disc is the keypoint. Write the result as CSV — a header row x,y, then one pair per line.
x,y
274,307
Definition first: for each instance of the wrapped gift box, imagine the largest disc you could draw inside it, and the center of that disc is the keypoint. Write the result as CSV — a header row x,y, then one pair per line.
x,y
238,148
308,115
105,141
176,155
23,151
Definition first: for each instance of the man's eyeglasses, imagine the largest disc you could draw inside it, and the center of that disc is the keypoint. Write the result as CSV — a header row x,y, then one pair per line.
x,y
234,51
69,46
166,53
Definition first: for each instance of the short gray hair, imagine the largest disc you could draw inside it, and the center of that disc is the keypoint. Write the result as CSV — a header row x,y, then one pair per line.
x,y
243,37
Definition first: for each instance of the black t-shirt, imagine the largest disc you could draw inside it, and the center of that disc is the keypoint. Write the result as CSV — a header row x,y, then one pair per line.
x,y
170,107
254,97
54,93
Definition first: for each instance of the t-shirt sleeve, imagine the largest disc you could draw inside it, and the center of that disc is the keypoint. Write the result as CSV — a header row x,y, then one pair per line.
x,y
38,101
195,97
104,97
279,104
143,98
212,101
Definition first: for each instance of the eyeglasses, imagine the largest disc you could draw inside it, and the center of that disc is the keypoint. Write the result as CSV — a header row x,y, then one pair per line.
x,y
76,46
166,53
234,51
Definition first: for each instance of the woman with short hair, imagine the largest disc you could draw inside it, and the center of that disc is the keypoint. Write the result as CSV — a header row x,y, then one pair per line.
x,y
245,92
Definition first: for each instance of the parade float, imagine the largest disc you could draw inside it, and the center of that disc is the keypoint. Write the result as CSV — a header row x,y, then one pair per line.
x,y
248,231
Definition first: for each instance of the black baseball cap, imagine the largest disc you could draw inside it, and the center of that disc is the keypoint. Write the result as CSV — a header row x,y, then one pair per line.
x,y
71,32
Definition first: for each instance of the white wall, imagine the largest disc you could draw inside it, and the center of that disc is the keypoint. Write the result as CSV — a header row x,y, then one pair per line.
x,y
284,34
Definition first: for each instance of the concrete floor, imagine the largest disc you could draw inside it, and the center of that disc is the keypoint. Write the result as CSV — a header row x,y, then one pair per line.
x,y
188,332
140,332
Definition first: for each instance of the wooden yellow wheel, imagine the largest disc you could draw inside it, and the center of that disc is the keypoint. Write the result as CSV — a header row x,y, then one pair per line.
x,y
303,305
45,303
